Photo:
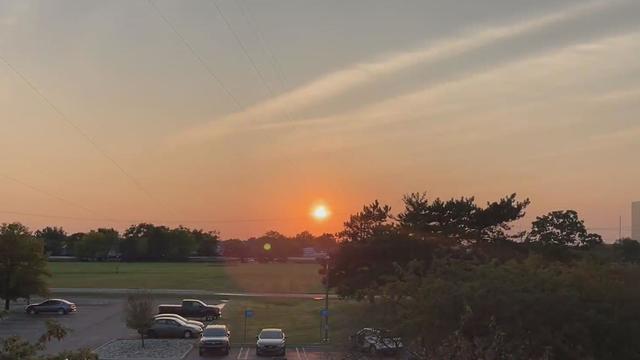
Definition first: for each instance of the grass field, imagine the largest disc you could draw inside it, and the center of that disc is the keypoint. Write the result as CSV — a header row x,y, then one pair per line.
x,y
276,278
300,319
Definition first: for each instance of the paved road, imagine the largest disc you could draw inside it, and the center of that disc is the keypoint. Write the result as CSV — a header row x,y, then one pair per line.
x,y
293,353
179,292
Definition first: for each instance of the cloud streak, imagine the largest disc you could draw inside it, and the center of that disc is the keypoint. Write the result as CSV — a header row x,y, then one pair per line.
x,y
269,113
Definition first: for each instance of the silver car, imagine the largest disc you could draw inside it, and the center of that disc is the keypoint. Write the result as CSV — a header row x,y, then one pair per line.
x,y
173,328
271,342
178,317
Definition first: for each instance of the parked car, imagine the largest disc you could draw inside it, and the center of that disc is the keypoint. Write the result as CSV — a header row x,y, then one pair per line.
x,y
376,341
215,338
173,328
175,316
191,308
58,306
271,342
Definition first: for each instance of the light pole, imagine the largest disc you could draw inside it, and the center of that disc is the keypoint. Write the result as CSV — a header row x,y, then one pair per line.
x,y
326,299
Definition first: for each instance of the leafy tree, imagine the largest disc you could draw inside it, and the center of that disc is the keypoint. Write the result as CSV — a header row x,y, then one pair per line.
x,y
206,242
628,250
460,218
54,239
138,312
235,248
96,244
151,242
16,348
23,265
562,228
516,310
374,219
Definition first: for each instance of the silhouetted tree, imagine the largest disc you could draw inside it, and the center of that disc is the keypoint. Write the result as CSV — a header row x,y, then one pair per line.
x,y
23,264
562,228
460,218
97,244
54,240
206,242
628,250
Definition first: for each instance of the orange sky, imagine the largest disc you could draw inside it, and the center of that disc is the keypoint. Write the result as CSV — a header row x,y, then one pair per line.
x,y
118,112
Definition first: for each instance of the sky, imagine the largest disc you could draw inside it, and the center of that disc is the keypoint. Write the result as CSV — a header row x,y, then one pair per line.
x,y
241,115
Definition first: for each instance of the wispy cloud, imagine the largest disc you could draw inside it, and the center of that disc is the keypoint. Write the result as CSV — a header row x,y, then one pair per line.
x,y
270,113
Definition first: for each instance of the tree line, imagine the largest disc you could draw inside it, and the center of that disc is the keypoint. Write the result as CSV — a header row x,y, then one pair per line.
x,y
457,282
142,242
148,242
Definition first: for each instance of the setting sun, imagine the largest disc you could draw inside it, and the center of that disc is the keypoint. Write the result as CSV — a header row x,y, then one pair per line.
x,y
320,212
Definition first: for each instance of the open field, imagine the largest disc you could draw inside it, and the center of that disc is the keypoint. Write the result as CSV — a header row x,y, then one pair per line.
x,y
272,278
300,319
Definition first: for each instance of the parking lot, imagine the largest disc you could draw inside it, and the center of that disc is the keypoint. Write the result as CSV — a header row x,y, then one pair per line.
x,y
293,353
97,321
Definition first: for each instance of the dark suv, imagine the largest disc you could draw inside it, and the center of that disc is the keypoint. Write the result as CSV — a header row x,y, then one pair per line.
x,y
57,306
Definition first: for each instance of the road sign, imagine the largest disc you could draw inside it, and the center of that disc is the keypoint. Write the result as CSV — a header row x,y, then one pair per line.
x,y
324,313
248,313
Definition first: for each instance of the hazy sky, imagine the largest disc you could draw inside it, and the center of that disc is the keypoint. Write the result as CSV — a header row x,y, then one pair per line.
x,y
114,112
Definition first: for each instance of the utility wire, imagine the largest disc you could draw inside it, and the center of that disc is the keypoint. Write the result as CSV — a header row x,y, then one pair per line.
x,y
75,127
158,221
46,193
275,64
244,49
193,52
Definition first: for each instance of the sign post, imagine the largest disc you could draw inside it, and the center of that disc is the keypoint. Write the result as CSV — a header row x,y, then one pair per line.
x,y
247,314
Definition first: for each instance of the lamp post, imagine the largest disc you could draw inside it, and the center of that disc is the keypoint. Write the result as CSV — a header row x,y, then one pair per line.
x,y
326,300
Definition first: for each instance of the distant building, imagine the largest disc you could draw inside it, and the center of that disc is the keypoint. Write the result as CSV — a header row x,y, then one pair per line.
x,y
635,220
310,252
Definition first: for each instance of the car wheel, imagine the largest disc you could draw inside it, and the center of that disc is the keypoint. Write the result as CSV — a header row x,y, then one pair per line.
x,y
201,352
227,350
188,334
61,312
151,334
258,352
32,311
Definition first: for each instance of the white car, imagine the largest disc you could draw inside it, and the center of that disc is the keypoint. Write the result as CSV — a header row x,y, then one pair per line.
x,y
271,342
178,317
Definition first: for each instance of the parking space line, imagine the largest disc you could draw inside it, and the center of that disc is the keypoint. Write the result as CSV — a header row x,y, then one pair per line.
x,y
298,353
246,354
239,353
305,353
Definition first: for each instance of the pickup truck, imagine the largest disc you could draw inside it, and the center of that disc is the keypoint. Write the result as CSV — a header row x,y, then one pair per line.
x,y
191,308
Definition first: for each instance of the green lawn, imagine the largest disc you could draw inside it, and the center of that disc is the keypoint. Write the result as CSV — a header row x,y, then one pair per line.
x,y
299,318
277,278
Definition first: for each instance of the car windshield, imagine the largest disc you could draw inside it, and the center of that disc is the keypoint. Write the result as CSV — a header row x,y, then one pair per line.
x,y
271,334
215,332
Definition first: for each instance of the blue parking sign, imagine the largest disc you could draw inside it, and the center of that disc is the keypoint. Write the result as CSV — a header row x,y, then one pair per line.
x,y
248,313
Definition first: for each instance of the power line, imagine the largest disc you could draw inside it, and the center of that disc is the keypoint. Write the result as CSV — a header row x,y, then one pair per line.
x,y
159,221
46,193
275,64
193,52
244,48
75,127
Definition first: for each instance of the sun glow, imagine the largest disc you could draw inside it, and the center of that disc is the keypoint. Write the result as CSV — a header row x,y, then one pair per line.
x,y
320,212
